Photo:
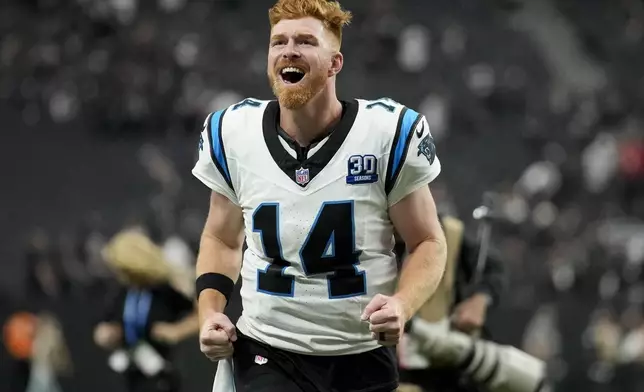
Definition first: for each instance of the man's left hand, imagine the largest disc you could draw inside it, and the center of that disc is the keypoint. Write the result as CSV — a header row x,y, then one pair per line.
x,y
469,316
386,316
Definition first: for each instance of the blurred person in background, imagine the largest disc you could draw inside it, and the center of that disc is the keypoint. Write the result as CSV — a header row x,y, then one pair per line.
x,y
150,314
316,185
50,356
37,345
461,302
18,334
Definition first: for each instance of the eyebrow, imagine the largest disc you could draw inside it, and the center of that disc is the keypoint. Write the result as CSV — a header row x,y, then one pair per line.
x,y
297,36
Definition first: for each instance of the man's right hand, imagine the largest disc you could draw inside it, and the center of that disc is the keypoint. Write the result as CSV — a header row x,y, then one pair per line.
x,y
217,336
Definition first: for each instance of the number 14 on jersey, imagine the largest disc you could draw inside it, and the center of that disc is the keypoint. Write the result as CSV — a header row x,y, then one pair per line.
x,y
329,249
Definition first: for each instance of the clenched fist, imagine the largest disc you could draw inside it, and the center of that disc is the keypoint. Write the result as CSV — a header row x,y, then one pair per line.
x,y
386,316
217,336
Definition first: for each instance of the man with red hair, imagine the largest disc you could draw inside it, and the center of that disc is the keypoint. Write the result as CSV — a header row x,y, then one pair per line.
x,y
316,186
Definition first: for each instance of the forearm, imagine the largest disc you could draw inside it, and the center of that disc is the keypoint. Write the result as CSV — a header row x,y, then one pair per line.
x,y
216,257
421,273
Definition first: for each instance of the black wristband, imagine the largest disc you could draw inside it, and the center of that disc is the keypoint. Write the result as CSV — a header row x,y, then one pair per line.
x,y
215,281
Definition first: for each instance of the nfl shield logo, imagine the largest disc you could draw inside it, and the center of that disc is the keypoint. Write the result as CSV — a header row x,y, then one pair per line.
x,y
260,360
302,176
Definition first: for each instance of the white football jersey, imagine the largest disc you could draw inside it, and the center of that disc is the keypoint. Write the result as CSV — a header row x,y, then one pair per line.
x,y
317,226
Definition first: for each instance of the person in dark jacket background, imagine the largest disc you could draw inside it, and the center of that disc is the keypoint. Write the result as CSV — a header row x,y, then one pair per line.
x,y
466,293
150,313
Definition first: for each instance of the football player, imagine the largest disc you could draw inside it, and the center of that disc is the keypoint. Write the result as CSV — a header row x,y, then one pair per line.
x,y
316,186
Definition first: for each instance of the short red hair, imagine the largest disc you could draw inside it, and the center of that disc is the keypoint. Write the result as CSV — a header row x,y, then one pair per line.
x,y
329,12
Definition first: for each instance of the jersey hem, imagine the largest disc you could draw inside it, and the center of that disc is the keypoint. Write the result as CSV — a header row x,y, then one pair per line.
x,y
246,330
224,191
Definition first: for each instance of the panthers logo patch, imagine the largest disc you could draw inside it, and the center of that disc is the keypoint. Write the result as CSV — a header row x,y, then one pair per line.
x,y
427,148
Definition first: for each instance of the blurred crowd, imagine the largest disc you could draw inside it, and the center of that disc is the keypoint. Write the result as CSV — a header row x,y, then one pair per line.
x,y
539,106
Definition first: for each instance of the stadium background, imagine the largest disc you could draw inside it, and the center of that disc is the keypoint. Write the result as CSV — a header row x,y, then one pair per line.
x,y
540,103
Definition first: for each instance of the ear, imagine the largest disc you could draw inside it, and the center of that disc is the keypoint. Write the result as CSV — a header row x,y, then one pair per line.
x,y
337,61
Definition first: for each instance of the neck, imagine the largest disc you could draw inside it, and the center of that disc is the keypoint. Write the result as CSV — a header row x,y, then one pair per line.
x,y
313,119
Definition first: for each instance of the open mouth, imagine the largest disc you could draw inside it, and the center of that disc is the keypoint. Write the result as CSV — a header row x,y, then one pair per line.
x,y
292,75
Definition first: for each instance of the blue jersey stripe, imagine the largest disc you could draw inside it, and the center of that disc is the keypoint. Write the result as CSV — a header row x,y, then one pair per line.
x,y
218,146
406,126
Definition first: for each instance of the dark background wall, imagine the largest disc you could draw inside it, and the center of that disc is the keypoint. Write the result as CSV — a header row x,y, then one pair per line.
x,y
84,91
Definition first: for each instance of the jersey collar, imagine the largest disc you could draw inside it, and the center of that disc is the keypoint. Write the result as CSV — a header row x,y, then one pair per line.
x,y
314,164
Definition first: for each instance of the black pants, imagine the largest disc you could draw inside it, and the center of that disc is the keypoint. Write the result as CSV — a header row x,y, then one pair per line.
x,y
261,368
